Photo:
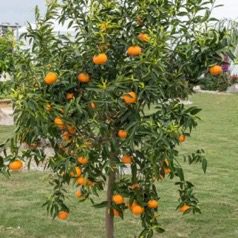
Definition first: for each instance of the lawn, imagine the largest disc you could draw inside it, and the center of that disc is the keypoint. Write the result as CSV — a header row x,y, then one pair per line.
x,y
5,132
21,214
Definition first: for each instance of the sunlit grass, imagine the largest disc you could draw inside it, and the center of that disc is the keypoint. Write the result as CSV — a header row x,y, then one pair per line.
x,y
21,197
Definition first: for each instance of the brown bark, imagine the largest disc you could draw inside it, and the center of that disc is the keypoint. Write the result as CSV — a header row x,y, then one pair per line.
x,y
109,218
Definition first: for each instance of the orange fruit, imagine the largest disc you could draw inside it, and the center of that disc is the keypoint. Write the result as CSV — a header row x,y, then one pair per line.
x,y
184,208
81,181
127,159
59,122
76,172
115,213
51,78
118,199
122,134
152,204
215,70
92,105
78,194
71,129
63,215
100,59
134,50
69,96
15,165
143,37
167,170
182,138
130,98
137,209
66,136
84,77
82,160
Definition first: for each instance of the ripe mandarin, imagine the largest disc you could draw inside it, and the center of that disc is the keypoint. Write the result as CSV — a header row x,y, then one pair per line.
x,y
84,77
51,78
118,199
122,134
152,203
126,159
134,51
130,98
215,70
100,59
15,165
63,215
184,208
143,37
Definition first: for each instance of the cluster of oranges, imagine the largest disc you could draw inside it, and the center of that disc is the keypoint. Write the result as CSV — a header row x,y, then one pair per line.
x,y
135,208
81,180
76,173
185,207
122,134
101,59
126,159
67,130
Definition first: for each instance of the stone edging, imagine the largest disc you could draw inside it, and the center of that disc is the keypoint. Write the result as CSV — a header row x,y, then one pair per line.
x,y
213,92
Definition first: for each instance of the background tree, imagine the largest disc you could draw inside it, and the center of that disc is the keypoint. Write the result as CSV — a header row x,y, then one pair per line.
x,y
7,44
223,81
106,100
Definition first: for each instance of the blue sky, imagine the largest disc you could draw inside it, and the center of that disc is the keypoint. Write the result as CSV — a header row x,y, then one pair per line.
x,y
23,10
19,11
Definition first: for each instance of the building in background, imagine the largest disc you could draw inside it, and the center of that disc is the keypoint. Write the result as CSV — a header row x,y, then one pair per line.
x,y
5,27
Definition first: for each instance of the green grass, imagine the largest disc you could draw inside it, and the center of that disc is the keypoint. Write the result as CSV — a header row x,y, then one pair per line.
x,y
21,214
5,132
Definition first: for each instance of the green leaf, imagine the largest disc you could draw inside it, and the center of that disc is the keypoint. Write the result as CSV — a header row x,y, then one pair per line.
x,y
204,165
100,205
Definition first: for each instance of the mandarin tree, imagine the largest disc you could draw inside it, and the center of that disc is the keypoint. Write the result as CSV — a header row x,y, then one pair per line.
x,y
105,99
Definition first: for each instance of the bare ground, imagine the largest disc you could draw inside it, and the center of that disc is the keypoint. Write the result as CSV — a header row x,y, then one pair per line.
x,y
6,112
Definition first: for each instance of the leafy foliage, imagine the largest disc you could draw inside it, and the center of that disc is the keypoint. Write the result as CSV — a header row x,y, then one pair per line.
x,y
220,83
179,48
5,88
7,44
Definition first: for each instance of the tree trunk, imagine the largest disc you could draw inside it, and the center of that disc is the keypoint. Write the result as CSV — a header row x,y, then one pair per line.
x,y
109,218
